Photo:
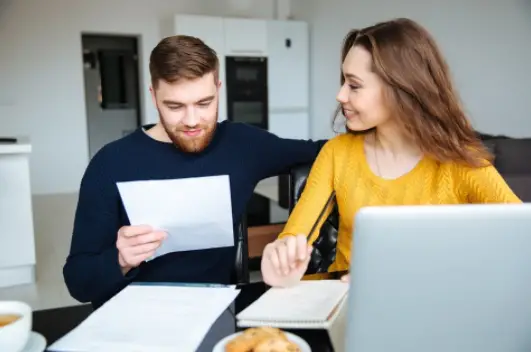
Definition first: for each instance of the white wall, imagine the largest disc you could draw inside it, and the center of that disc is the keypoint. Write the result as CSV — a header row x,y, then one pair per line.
x,y
486,42
41,75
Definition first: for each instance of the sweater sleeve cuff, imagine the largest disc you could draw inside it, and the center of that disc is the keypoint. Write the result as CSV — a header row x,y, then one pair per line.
x,y
116,274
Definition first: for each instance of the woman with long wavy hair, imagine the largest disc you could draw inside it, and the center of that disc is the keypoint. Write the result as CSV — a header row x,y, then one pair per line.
x,y
408,142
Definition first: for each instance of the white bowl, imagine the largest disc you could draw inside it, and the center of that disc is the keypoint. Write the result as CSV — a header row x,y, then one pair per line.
x,y
14,336
303,345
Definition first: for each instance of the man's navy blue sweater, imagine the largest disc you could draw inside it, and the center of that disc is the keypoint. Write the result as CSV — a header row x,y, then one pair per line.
x,y
245,153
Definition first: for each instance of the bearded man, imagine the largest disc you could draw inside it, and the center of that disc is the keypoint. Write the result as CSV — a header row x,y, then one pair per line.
x,y
107,253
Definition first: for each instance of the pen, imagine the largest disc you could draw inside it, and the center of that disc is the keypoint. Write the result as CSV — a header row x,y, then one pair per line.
x,y
323,211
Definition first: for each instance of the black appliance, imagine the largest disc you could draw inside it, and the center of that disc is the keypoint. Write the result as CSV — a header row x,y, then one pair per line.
x,y
246,83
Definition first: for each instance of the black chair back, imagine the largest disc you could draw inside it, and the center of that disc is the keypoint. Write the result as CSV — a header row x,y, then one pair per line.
x,y
324,252
241,263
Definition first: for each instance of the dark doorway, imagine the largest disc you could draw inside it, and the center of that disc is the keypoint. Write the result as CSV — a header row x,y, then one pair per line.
x,y
112,99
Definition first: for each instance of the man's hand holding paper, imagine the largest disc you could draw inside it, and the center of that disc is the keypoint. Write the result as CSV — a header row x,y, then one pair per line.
x,y
196,213
136,244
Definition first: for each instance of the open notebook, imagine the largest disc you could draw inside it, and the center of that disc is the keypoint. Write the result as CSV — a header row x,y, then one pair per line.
x,y
308,305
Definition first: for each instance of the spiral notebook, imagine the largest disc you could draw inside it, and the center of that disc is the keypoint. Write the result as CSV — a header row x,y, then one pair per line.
x,y
314,304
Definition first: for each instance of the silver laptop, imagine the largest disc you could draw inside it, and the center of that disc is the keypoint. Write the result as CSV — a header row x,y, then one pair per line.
x,y
441,278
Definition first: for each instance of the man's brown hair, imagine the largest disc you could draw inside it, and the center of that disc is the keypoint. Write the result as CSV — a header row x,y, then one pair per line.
x,y
182,57
418,90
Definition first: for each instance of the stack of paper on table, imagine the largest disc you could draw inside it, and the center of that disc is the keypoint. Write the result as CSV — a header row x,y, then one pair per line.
x,y
319,304
150,318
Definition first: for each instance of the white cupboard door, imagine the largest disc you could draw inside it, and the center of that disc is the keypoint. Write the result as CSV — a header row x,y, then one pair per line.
x,y
288,65
245,37
207,28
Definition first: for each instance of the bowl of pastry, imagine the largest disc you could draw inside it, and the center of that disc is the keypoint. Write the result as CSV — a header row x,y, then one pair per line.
x,y
262,339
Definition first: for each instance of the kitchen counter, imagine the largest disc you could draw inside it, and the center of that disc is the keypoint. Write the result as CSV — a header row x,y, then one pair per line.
x,y
21,146
17,241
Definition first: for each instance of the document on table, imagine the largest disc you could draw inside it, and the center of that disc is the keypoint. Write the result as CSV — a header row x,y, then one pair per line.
x,y
195,212
150,318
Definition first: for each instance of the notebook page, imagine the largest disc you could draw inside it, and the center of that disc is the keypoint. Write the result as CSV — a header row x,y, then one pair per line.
x,y
308,301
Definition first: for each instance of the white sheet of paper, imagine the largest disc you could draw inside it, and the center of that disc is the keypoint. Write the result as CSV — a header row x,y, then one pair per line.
x,y
150,318
196,212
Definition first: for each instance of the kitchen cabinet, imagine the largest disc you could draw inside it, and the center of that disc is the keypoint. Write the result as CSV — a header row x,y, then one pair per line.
x,y
17,237
245,37
285,44
288,65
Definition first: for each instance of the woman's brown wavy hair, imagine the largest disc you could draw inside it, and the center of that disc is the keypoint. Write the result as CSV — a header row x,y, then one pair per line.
x,y
419,90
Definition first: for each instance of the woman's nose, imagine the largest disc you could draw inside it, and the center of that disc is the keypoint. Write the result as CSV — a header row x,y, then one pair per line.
x,y
342,95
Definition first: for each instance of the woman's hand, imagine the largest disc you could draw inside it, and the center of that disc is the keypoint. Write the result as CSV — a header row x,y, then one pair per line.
x,y
285,260
345,278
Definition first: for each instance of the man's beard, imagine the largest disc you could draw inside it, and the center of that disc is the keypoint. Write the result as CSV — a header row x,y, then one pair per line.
x,y
193,144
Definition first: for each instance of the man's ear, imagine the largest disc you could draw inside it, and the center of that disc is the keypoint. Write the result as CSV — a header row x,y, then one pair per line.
x,y
153,96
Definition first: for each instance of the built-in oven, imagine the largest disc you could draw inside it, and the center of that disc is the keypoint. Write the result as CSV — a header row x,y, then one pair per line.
x,y
246,83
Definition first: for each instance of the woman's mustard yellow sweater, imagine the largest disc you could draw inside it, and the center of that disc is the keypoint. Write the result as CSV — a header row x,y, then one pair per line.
x,y
342,166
